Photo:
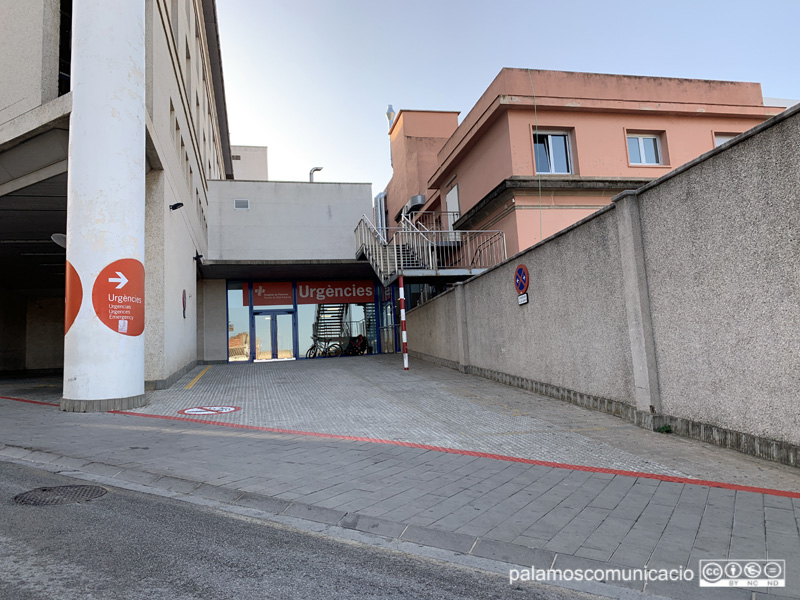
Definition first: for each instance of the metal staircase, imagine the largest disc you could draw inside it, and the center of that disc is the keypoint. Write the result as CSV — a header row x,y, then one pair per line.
x,y
330,322
420,253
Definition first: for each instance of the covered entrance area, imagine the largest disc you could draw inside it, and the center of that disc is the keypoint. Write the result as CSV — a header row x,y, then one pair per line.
x,y
302,311
284,320
33,267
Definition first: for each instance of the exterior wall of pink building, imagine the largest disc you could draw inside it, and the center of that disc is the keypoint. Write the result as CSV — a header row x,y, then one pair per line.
x,y
416,138
490,155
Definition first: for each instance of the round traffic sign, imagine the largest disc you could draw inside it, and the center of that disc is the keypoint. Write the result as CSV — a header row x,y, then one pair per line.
x,y
521,279
209,410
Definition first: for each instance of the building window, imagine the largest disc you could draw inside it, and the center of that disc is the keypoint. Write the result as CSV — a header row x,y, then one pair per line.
x,y
241,204
238,321
721,138
65,47
644,149
552,152
452,204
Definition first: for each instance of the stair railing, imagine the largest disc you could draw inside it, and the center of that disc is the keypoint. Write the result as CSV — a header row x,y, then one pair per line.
x,y
421,243
373,245
413,247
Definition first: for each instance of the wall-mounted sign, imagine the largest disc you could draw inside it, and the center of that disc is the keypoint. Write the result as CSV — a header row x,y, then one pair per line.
x,y
521,277
275,293
270,293
522,299
335,292
118,296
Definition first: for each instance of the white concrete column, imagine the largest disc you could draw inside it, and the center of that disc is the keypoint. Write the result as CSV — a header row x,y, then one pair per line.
x,y
104,345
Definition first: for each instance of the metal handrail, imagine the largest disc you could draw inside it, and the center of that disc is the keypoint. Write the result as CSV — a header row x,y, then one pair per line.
x,y
419,243
487,242
411,248
433,220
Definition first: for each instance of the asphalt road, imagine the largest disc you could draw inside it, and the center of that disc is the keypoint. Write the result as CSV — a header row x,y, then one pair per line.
x,y
130,545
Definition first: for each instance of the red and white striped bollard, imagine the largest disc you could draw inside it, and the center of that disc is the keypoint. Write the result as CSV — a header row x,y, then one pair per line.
x,y
403,323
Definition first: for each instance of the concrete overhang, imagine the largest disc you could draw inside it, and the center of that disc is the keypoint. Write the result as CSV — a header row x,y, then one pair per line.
x,y
35,145
52,115
285,270
436,276
33,198
517,184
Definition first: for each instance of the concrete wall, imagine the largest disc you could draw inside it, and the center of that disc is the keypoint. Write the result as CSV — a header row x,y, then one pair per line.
x,y
184,143
434,332
679,304
13,323
45,334
572,333
32,332
29,34
214,332
250,163
285,221
722,256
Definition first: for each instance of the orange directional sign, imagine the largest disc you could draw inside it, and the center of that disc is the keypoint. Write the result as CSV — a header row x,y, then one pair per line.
x,y
118,296
74,297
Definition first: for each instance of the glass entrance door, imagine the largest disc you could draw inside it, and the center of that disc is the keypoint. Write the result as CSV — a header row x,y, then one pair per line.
x,y
274,335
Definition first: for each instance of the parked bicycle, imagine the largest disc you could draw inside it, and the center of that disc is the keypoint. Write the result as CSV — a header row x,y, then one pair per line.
x,y
357,346
324,347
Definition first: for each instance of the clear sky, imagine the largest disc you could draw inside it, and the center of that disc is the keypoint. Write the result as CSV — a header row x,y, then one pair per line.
x,y
311,79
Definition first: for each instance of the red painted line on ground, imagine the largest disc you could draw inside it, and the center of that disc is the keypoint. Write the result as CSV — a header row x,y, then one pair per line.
x,y
527,461
29,401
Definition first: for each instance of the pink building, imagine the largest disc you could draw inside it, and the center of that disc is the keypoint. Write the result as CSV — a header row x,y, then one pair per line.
x,y
541,150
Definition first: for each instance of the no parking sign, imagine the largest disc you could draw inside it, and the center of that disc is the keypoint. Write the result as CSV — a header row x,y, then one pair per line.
x,y
521,281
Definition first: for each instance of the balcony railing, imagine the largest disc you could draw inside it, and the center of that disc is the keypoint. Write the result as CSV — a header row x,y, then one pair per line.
x,y
426,252
435,221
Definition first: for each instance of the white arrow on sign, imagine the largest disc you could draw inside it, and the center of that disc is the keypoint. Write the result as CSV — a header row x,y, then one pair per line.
x,y
122,280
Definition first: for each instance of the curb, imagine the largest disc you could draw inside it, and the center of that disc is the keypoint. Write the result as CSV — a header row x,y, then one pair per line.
x,y
470,546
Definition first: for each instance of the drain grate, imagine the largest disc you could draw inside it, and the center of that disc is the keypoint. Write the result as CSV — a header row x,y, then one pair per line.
x,y
63,494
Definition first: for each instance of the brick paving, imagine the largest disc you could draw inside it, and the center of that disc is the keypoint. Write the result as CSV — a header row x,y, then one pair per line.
x,y
510,511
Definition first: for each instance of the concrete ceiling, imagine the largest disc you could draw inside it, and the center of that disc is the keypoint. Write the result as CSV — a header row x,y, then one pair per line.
x,y
30,261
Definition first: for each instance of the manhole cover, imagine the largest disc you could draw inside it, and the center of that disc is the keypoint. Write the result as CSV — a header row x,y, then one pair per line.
x,y
63,494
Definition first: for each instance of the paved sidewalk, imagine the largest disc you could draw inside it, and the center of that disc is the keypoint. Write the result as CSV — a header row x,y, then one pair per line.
x,y
520,512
